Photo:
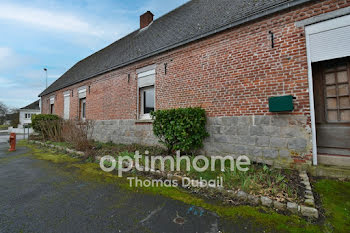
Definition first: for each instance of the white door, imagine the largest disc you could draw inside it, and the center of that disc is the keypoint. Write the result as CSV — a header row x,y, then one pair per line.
x,y
66,106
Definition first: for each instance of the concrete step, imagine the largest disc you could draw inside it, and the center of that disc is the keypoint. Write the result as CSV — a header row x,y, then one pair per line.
x,y
334,160
330,171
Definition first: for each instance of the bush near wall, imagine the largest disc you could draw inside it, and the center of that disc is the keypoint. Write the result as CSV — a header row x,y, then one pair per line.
x,y
180,129
53,128
38,118
47,125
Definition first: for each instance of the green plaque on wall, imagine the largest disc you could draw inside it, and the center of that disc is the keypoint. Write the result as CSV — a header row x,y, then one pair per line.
x,y
281,103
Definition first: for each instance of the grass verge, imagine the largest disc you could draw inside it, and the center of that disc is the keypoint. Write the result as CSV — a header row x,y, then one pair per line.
x,y
335,198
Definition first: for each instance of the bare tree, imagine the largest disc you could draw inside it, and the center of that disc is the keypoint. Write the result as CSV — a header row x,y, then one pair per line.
x,y
3,109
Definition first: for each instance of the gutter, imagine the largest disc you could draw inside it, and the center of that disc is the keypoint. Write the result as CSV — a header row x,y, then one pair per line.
x,y
263,13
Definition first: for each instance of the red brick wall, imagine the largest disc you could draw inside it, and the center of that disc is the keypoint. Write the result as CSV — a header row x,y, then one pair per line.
x,y
230,73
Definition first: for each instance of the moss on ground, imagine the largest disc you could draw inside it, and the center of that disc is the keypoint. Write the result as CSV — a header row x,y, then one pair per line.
x,y
259,215
334,195
47,154
335,198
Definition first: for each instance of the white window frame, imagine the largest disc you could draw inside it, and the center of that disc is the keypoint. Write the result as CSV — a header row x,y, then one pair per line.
x,y
81,102
145,80
143,115
66,95
52,102
82,95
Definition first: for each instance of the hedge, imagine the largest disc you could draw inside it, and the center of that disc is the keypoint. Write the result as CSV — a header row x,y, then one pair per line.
x,y
180,129
39,118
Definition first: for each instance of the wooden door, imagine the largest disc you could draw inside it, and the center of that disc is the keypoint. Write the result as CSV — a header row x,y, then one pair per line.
x,y
331,81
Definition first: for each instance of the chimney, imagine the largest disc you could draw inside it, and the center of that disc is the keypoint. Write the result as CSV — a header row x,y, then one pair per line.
x,y
146,19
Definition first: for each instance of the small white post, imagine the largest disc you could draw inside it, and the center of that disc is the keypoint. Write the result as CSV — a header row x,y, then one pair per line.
x,y
311,99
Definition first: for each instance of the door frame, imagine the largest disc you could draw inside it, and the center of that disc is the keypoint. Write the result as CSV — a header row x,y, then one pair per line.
x,y
321,26
311,99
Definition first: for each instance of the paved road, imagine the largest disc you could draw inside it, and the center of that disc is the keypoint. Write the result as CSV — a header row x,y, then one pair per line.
x,y
4,136
40,196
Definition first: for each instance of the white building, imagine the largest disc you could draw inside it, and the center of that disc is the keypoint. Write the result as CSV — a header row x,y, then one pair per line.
x,y
25,113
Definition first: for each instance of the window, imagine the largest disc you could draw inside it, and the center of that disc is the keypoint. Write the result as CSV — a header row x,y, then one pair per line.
x,y
146,93
52,108
52,105
337,92
82,102
28,116
147,101
82,108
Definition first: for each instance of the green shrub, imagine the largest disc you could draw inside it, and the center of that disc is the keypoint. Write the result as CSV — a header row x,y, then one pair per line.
x,y
49,126
180,129
37,119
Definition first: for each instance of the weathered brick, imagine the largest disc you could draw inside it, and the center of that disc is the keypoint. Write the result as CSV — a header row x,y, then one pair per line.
x,y
277,142
256,130
230,74
229,130
262,120
297,144
271,130
290,132
280,121
270,153
247,140
263,141
284,153
254,151
242,130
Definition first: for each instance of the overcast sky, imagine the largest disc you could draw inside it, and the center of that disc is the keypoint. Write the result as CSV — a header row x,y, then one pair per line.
x,y
58,33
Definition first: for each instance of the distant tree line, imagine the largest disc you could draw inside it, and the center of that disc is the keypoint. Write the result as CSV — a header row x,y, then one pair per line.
x,y
8,115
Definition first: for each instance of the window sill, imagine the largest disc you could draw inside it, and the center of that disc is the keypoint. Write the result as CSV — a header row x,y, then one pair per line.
x,y
144,121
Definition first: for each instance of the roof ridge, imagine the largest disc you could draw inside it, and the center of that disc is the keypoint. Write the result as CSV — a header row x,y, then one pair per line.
x,y
29,106
129,34
165,33
109,45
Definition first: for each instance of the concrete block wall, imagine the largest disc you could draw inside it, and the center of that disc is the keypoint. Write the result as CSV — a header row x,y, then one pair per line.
x,y
280,140
124,131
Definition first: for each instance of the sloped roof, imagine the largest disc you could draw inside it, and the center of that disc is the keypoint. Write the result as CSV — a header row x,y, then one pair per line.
x,y
32,106
191,21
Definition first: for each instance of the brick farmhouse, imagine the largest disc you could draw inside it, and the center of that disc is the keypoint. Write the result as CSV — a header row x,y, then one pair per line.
x,y
229,57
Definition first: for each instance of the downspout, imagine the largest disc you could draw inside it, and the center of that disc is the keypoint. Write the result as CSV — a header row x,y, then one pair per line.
x,y
311,99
